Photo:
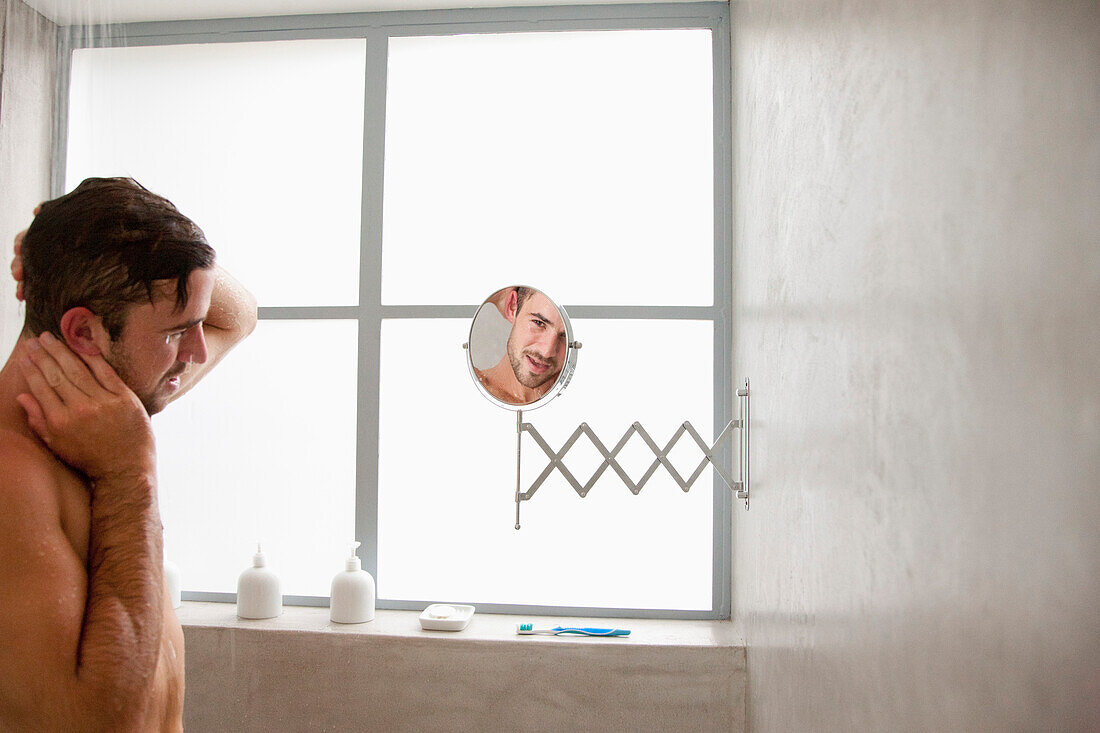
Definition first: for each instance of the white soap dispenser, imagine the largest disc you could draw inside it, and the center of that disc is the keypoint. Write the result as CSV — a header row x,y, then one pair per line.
x,y
352,594
172,580
258,592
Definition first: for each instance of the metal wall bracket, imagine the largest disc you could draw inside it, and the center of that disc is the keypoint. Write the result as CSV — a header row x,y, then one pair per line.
x,y
740,486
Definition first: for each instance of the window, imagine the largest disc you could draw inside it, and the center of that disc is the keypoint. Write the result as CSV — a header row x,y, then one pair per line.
x,y
373,182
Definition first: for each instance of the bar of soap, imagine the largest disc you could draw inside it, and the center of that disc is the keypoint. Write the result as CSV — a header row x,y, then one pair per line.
x,y
446,617
439,611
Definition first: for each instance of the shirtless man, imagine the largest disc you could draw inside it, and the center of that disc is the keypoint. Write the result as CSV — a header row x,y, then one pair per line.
x,y
125,311
535,353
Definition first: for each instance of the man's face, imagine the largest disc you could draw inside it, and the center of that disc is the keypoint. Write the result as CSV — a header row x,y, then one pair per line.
x,y
536,344
158,340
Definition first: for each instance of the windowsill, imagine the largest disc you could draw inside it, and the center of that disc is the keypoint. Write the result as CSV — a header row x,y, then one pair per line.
x,y
482,628
300,670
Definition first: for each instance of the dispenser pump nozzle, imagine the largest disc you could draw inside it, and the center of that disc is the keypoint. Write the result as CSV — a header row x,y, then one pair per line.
x,y
353,563
258,560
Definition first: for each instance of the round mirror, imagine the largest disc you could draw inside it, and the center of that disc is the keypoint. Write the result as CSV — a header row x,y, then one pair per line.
x,y
521,352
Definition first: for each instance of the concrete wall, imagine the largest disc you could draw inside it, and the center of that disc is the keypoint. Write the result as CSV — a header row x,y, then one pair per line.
x,y
917,303
27,71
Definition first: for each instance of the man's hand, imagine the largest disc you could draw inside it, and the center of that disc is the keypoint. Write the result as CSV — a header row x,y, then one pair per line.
x,y
85,413
17,264
17,260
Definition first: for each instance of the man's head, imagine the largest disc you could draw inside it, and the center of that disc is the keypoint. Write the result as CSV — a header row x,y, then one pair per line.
x,y
113,268
536,344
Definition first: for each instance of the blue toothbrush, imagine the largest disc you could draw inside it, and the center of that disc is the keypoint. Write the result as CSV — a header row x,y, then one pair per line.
x,y
587,631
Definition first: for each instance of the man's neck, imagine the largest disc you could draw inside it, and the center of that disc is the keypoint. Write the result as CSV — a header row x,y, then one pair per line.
x,y
507,387
12,416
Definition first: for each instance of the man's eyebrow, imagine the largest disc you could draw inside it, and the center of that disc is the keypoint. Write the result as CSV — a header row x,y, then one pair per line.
x,y
540,316
183,326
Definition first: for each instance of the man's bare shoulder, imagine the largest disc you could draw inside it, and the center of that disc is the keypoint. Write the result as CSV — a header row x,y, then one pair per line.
x,y
24,458
42,534
42,582
41,521
30,479
40,493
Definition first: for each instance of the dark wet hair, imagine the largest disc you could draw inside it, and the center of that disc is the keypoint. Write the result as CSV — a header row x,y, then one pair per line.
x,y
522,294
103,246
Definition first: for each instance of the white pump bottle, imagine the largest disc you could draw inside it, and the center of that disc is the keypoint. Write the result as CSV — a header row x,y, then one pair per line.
x,y
171,576
258,590
353,593
172,580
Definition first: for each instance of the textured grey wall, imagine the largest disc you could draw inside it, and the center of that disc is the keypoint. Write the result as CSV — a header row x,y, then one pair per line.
x,y
27,71
917,300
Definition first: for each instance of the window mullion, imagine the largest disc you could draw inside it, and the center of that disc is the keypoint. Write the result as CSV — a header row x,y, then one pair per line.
x,y
370,298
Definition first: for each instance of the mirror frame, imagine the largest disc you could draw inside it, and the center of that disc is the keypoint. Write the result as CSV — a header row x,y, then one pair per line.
x,y
568,367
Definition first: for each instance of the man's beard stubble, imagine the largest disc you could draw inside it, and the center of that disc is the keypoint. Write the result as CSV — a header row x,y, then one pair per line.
x,y
121,363
526,378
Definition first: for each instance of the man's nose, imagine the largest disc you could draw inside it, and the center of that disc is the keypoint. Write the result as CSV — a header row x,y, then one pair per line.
x,y
547,345
193,348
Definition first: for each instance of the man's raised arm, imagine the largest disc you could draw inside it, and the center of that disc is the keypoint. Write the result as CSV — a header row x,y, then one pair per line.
x,y
232,316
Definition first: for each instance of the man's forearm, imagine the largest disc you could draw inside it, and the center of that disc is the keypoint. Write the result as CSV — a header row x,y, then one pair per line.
x,y
123,619
101,429
232,307
231,317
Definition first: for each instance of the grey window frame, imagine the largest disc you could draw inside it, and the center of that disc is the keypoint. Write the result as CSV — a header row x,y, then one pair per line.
x,y
376,28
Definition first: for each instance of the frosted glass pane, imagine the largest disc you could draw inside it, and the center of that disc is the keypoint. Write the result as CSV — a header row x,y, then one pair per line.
x,y
579,162
260,143
447,475
264,449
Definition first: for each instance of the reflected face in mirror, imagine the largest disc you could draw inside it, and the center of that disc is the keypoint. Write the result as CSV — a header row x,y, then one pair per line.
x,y
535,351
536,344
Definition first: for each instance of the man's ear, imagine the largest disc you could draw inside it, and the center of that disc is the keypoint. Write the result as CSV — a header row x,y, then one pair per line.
x,y
83,331
511,306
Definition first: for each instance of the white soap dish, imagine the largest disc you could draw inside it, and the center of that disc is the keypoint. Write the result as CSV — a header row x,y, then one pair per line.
x,y
446,617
